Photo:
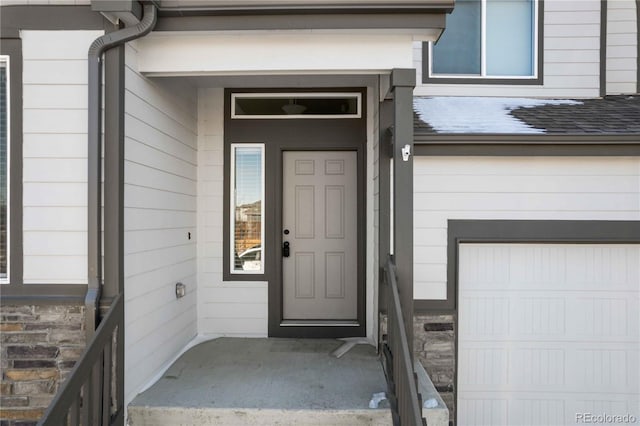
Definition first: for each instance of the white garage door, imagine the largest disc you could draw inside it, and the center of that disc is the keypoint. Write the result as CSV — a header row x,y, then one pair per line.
x,y
548,332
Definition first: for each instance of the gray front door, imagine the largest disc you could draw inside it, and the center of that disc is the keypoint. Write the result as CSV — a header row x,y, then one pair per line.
x,y
320,222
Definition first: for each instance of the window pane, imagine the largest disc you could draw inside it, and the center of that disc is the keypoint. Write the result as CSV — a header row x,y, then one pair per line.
x,y
458,50
247,209
510,37
3,168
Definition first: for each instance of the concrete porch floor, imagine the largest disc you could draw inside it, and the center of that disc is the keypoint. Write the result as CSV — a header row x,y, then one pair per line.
x,y
238,381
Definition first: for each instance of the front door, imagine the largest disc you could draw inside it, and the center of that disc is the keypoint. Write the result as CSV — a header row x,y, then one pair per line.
x,y
319,234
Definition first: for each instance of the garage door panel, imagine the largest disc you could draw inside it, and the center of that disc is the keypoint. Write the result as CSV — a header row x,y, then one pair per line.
x,y
568,315
483,367
605,369
540,317
558,336
538,368
484,271
536,411
602,267
549,267
496,408
486,315
601,317
603,404
478,410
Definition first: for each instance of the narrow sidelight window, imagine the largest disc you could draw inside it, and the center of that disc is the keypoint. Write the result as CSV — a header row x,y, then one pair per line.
x,y
4,169
247,209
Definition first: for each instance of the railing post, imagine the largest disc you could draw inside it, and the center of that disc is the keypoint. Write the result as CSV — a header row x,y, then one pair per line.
x,y
402,83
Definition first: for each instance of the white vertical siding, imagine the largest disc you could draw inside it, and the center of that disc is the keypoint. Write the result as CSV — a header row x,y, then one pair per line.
x,y
55,155
160,212
622,47
571,63
234,308
535,188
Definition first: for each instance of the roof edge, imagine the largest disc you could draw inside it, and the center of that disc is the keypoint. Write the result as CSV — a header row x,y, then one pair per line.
x,y
441,6
424,138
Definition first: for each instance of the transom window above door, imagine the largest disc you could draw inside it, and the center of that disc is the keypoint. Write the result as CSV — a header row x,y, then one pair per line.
x,y
295,105
487,39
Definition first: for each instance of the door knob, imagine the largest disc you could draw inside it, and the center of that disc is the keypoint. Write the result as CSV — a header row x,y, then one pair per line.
x,y
285,249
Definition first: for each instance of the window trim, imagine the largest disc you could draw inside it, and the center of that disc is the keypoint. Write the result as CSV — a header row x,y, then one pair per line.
x,y
522,231
232,216
11,46
310,95
6,59
538,60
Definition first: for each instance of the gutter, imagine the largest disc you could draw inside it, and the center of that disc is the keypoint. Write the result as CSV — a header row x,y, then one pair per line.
x,y
94,177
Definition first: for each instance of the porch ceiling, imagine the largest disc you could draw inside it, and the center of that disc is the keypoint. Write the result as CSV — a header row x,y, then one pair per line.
x,y
227,376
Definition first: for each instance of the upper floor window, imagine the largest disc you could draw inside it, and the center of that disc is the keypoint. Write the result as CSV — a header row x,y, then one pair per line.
x,y
488,39
4,168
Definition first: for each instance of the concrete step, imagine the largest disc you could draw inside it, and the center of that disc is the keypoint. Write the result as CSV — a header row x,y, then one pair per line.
x,y
172,416
238,381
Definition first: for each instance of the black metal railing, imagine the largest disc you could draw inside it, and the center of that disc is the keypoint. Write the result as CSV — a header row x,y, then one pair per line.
x,y
405,401
93,394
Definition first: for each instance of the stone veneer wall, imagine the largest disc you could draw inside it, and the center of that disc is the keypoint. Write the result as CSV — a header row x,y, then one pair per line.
x,y
434,346
39,347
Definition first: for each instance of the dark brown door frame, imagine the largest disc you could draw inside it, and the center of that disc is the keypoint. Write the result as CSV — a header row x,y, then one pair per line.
x,y
275,304
296,135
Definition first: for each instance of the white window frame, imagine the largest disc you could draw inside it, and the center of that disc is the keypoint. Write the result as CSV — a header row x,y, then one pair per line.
x,y
232,207
299,95
483,51
7,63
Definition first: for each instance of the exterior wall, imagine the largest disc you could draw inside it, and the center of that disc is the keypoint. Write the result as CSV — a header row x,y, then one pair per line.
x,y
273,52
160,221
55,155
224,308
571,57
543,188
622,47
434,346
40,345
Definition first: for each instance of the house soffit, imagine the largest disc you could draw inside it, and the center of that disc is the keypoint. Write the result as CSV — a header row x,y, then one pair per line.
x,y
218,15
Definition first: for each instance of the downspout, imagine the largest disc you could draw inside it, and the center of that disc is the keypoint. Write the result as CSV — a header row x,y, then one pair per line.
x,y
94,154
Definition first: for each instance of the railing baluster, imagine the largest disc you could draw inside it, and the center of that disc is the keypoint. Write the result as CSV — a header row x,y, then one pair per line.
x,y
96,392
84,409
74,411
106,384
